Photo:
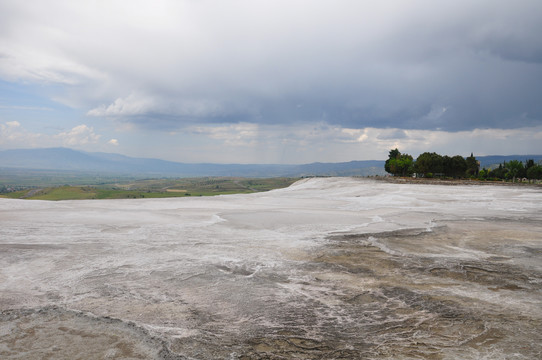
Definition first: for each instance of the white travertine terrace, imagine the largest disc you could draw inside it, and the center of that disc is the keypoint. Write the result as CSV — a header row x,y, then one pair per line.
x,y
329,267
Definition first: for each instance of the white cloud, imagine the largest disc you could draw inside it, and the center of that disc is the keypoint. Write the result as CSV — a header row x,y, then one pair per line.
x,y
436,112
129,106
294,81
242,134
12,124
366,64
141,104
302,144
356,135
79,135
34,108
14,135
252,143
479,141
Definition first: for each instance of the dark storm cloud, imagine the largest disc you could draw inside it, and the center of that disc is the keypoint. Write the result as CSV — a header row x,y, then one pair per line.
x,y
451,65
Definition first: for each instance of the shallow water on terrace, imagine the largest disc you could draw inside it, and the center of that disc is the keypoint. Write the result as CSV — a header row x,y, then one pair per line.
x,y
328,268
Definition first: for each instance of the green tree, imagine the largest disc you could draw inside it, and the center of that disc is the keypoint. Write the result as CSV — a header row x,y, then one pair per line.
x,y
514,169
483,174
429,163
473,166
534,172
498,173
458,166
399,164
447,166
394,154
402,165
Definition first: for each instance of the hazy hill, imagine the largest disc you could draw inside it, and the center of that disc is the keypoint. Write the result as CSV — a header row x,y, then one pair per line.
x,y
63,159
495,160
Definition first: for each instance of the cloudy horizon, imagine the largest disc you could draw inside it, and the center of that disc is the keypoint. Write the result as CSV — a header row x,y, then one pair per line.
x,y
272,82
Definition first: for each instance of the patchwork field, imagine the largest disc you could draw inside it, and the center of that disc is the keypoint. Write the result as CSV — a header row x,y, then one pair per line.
x,y
153,188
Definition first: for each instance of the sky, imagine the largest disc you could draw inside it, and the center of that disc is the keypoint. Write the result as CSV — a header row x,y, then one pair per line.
x,y
253,81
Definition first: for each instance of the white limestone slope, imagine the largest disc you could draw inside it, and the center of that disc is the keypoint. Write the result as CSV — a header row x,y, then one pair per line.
x,y
182,268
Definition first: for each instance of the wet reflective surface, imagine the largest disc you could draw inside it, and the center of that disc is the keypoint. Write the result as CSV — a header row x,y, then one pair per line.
x,y
328,268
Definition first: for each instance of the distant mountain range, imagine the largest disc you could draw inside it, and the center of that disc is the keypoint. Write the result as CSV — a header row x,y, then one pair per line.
x,y
63,159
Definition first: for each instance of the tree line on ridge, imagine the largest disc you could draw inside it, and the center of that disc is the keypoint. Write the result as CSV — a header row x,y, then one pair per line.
x,y
430,165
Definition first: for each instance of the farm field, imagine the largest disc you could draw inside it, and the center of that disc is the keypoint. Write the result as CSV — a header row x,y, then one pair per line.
x,y
151,188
